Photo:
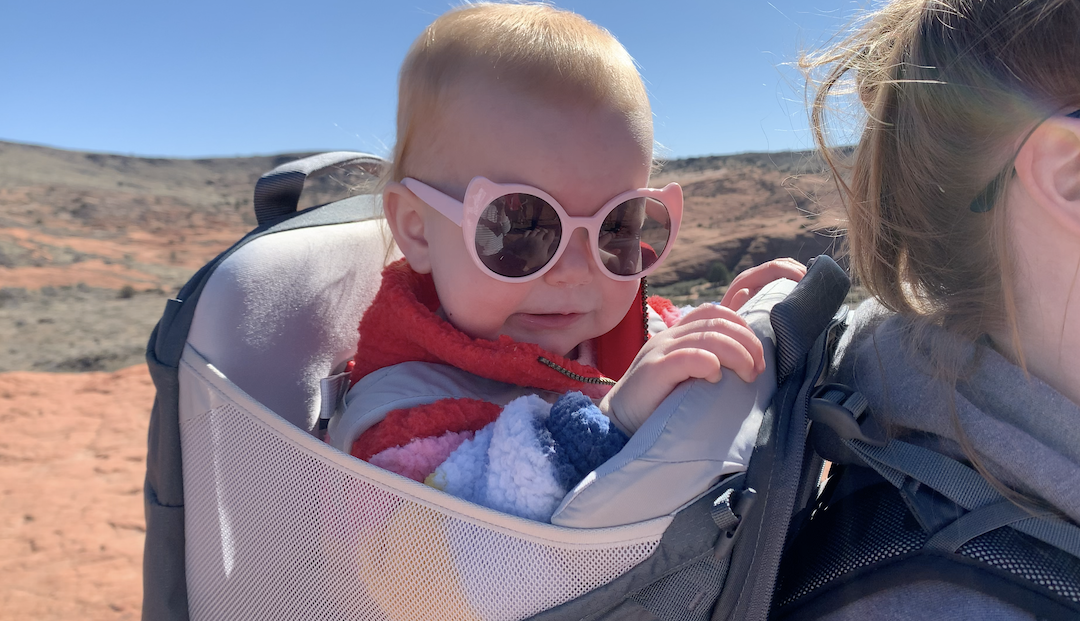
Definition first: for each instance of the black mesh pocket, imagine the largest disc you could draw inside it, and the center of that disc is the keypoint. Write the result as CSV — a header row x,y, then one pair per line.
x,y
869,526
688,594
1029,558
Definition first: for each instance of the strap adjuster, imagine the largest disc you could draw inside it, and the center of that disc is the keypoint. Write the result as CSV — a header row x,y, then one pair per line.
x,y
838,414
727,512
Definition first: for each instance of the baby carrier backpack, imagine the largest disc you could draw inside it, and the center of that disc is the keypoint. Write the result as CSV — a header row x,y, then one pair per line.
x,y
250,516
892,514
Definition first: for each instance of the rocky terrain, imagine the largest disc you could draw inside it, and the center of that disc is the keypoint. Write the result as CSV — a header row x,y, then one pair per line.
x,y
92,245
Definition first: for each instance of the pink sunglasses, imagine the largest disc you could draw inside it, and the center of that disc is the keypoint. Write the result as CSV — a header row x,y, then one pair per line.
x,y
516,232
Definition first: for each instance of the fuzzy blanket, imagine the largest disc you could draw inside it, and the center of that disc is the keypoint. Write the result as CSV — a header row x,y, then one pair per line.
x,y
523,463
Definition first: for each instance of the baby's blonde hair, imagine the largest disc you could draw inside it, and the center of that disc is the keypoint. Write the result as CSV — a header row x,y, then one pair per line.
x,y
533,48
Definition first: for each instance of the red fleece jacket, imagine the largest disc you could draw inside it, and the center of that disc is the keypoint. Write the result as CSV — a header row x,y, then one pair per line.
x,y
402,326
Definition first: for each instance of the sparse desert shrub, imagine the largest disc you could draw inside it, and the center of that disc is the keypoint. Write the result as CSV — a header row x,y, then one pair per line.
x,y
718,273
127,292
12,294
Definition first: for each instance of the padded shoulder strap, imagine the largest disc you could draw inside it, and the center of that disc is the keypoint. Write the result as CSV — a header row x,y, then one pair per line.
x,y
799,320
779,471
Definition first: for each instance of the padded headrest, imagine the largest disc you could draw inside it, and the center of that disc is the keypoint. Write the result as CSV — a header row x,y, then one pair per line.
x,y
282,312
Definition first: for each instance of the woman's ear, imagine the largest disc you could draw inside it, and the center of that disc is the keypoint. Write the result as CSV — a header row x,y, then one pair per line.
x,y
406,222
1048,165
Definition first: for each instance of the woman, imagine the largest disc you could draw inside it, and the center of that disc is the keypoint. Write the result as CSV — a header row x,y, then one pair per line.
x,y
963,199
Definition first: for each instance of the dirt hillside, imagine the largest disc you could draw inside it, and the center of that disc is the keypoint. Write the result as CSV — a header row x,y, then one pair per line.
x,y
92,245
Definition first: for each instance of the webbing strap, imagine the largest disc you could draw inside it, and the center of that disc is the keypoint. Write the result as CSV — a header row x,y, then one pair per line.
x,y
950,478
961,484
979,522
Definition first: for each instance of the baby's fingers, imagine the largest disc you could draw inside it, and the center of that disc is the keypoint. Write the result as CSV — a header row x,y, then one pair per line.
x,y
719,320
740,297
710,311
732,346
757,277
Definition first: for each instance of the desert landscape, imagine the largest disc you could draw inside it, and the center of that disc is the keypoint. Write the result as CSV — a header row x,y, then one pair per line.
x,y
91,247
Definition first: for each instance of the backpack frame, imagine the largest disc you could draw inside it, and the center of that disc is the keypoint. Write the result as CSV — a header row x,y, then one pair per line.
x,y
716,558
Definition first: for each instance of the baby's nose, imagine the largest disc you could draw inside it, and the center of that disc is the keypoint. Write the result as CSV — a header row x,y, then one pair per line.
x,y
574,267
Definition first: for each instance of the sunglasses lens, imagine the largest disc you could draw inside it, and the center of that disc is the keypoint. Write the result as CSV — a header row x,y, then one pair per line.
x,y
517,235
634,235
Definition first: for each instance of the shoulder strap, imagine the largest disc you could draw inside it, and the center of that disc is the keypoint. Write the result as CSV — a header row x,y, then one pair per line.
x,y
840,412
987,509
782,472
865,538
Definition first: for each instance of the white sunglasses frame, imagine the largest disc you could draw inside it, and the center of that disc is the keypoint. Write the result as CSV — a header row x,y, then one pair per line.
x,y
481,192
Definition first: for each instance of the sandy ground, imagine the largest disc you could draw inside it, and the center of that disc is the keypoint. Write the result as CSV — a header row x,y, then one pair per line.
x,y
72,460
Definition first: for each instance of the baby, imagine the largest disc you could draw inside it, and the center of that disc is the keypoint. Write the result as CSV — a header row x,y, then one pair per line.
x,y
519,197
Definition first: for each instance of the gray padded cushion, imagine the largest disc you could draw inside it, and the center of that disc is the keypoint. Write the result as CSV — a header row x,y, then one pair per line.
x,y
698,434
282,312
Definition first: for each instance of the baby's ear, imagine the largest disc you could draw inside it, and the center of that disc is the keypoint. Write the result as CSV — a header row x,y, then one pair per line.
x,y
1048,165
406,222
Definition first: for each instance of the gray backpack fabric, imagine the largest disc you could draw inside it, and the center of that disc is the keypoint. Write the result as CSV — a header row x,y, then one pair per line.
x,y
251,335
164,571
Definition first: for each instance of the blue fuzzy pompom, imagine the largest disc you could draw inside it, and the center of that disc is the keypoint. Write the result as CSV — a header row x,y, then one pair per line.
x,y
584,438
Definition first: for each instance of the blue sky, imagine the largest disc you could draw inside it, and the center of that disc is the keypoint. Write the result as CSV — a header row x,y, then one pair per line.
x,y
198,78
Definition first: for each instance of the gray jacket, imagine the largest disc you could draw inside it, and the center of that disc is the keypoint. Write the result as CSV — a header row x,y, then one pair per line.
x,y
1021,430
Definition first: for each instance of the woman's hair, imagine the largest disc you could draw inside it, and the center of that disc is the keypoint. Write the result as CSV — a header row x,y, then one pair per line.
x,y
951,89
533,48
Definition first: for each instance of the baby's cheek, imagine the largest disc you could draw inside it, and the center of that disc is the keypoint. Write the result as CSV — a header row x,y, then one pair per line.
x,y
480,316
619,298
471,301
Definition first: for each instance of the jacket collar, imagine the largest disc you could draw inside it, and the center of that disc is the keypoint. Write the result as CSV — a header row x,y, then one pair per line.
x,y
402,326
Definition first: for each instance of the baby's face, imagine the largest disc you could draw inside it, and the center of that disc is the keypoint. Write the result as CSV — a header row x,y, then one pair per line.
x,y
582,156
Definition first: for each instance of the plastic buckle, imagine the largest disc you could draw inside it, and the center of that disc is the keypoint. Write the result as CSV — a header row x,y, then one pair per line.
x,y
841,409
332,394
838,414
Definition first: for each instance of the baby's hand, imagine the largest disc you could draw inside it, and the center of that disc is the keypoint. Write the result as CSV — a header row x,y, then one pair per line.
x,y
697,346
750,281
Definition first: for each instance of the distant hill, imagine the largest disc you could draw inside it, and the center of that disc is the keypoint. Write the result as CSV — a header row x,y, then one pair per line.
x,y
747,208
98,241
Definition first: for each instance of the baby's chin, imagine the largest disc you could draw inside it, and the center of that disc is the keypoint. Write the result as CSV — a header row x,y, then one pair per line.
x,y
559,334
557,348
